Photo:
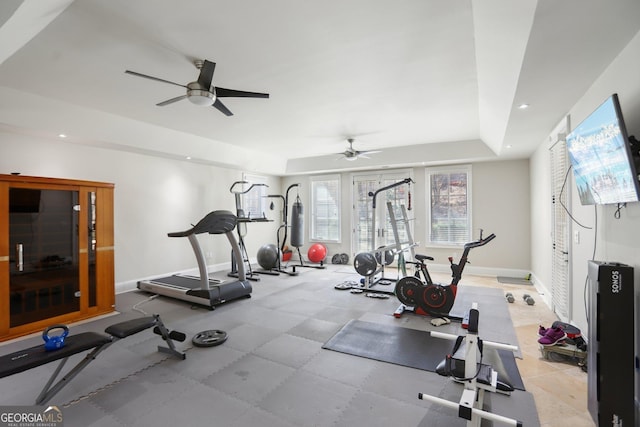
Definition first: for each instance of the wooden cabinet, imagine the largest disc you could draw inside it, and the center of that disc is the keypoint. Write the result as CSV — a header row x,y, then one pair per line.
x,y
56,252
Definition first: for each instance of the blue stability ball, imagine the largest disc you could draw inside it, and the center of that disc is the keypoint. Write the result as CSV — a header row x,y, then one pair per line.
x,y
268,256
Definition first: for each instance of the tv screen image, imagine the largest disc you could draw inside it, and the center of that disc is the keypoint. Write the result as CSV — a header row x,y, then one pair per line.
x,y
601,157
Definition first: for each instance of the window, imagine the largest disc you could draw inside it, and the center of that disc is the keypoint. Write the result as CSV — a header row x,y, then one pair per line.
x,y
253,201
325,208
449,205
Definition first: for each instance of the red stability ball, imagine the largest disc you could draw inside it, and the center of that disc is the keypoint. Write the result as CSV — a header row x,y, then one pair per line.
x,y
317,252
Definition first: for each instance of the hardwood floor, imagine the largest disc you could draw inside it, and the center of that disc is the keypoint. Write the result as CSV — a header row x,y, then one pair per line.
x,y
559,386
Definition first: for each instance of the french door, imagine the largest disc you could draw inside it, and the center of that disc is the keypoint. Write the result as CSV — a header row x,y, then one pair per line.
x,y
373,228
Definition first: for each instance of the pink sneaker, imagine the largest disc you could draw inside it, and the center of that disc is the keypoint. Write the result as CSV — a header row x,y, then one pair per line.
x,y
552,336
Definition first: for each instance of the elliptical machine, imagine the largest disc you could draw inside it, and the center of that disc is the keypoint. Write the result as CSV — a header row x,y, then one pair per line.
x,y
429,298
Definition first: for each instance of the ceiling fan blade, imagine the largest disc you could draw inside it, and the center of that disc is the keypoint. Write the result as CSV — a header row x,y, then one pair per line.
x,y
206,74
220,106
226,93
133,73
171,101
369,152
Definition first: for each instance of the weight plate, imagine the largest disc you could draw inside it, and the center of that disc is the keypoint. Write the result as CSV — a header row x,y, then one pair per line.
x,y
388,257
344,258
365,264
375,295
407,290
209,338
345,285
336,259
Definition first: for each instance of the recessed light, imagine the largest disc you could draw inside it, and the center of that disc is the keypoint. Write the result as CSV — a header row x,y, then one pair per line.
x,y
523,106
188,157
62,135
509,146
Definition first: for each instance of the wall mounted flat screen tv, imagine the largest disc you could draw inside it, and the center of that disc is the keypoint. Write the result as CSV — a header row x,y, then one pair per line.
x,y
602,158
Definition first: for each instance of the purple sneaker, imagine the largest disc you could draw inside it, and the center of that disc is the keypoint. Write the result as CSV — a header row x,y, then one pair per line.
x,y
542,331
552,337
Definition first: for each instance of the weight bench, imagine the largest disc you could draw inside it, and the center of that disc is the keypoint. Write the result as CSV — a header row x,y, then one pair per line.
x,y
33,357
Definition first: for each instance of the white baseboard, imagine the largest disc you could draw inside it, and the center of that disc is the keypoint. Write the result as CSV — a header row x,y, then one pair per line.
x,y
543,291
132,285
480,271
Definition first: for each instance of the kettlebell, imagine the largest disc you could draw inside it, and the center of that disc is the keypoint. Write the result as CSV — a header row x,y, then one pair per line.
x,y
54,342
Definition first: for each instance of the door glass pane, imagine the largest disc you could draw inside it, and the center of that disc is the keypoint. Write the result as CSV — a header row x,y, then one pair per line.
x,y
44,279
364,238
363,210
397,196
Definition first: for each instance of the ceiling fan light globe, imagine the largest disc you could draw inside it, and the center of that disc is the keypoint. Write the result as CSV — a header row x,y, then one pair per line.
x,y
351,158
201,97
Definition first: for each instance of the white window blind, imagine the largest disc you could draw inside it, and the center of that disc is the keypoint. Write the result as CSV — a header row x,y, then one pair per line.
x,y
253,201
449,205
325,208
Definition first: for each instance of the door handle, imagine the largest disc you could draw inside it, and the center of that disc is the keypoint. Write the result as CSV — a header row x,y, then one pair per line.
x,y
19,257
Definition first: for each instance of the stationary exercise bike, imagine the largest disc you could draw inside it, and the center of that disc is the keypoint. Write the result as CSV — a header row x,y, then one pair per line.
x,y
429,298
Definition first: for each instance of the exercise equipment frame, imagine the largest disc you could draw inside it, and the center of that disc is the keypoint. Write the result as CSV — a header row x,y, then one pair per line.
x,y
429,298
242,220
204,290
470,406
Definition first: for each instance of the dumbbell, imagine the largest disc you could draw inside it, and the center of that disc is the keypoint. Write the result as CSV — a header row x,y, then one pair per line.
x,y
509,297
528,299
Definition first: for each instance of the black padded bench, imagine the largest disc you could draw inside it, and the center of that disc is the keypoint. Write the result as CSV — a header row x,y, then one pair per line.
x,y
93,342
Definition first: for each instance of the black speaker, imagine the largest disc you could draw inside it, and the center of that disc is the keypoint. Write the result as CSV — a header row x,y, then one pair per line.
x,y
611,346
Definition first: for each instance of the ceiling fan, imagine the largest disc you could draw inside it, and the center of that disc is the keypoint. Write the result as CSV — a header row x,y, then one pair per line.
x,y
202,92
352,154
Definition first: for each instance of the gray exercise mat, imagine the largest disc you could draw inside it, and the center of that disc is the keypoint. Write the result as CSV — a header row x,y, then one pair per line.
x,y
410,347
494,322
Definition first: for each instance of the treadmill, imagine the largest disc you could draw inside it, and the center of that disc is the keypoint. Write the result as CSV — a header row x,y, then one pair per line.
x,y
204,290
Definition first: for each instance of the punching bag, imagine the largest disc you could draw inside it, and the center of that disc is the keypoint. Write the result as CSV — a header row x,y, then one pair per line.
x,y
297,224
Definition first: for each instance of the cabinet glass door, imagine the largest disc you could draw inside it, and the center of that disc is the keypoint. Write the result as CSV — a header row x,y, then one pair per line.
x,y
43,238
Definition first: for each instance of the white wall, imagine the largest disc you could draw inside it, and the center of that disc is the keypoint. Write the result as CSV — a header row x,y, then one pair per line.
x,y
614,239
153,196
500,197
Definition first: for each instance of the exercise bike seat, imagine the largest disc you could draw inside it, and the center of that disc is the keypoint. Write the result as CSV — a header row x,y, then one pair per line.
x,y
421,258
216,222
